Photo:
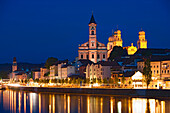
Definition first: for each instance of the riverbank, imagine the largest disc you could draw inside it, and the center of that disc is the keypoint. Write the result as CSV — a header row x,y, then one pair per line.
x,y
158,93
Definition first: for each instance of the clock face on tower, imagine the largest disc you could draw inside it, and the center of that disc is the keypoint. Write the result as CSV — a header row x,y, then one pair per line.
x,y
92,27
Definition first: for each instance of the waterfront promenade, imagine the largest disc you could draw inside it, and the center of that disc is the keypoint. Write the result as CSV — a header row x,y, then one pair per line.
x,y
155,93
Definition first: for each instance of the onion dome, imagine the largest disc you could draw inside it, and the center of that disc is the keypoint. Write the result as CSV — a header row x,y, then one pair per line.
x,y
111,38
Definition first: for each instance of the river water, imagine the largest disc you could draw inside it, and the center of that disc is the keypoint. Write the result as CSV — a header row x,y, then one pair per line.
x,y
28,102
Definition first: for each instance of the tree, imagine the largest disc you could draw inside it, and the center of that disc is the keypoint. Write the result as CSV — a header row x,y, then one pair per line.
x,y
87,81
50,61
99,80
105,80
147,72
123,80
116,80
116,52
110,81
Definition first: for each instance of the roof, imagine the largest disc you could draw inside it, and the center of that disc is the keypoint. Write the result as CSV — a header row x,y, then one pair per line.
x,y
158,58
65,66
85,62
152,51
20,73
92,20
108,63
61,61
128,74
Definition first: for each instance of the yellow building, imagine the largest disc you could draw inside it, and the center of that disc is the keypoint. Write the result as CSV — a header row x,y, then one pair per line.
x,y
142,42
131,49
116,40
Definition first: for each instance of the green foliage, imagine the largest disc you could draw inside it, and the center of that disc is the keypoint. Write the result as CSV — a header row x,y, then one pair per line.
x,y
87,81
94,80
105,80
4,74
99,80
110,80
116,52
50,61
147,72
47,74
123,79
116,80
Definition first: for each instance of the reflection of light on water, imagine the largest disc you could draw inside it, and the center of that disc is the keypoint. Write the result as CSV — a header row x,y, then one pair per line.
x,y
111,105
25,102
32,97
119,106
78,104
138,105
53,103
152,105
39,103
19,99
163,106
64,103
49,103
88,104
68,101
101,105
14,101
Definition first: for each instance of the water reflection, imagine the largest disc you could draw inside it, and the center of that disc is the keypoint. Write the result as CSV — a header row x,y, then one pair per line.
x,y
27,102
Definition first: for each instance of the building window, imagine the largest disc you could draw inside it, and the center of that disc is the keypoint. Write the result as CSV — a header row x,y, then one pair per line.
x,y
157,71
92,32
157,66
103,55
92,55
92,44
87,56
81,56
162,71
98,56
168,71
165,71
94,69
154,66
101,73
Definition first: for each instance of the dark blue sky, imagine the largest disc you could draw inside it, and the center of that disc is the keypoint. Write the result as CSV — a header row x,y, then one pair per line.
x,y
33,30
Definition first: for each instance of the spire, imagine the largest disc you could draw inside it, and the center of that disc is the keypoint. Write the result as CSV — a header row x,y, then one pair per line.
x,y
117,27
112,32
92,19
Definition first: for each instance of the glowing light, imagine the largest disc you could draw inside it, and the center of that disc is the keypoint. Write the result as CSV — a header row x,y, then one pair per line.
x,y
119,106
96,84
15,85
88,104
68,101
111,105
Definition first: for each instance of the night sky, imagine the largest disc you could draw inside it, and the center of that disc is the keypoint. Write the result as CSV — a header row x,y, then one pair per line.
x,y
33,30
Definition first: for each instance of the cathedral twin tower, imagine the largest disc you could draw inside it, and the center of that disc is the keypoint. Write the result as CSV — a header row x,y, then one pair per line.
x,y
96,51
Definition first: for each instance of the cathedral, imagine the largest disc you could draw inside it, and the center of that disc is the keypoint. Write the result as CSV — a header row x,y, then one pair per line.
x,y
93,49
96,51
116,40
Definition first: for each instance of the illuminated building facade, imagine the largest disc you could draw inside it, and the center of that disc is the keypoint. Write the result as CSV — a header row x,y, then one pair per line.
x,y
93,49
116,40
142,42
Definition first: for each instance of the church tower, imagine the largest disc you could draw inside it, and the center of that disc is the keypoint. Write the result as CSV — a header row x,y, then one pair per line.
x,y
93,49
92,33
142,42
14,66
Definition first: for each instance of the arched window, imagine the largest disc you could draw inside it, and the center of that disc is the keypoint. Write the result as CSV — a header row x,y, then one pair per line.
x,y
92,32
